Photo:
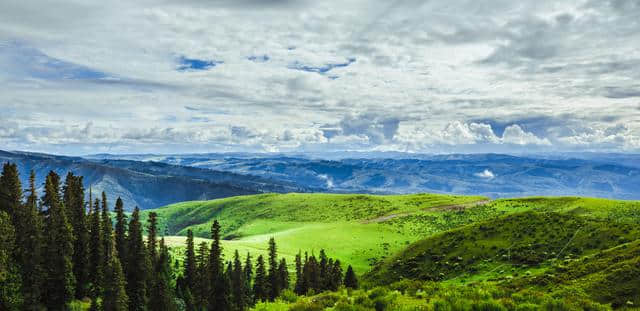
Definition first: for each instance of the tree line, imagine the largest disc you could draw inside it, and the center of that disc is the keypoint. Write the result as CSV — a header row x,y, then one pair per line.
x,y
58,248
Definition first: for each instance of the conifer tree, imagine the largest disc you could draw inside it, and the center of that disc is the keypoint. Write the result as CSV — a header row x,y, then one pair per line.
x,y
260,288
298,288
201,290
10,296
10,192
238,284
336,276
96,249
273,277
59,285
350,279
152,237
75,206
283,274
162,296
107,229
219,293
248,276
30,241
121,233
323,266
190,262
115,295
137,265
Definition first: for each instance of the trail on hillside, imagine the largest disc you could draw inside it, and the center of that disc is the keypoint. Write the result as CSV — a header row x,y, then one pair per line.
x,y
448,207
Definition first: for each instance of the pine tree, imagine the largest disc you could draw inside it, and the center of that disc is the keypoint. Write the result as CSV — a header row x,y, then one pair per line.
x,y
350,279
201,290
152,237
260,288
137,265
10,192
298,289
30,241
238,284
75,206
115,295
96,249
10,296
323,266
283,274
336,276
219,293
59,285
273,277
248,275
107,229
162,296
121,233
190,262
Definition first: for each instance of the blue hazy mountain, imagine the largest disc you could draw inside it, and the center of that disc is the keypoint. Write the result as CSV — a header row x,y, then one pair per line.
x,y
494,175
145,184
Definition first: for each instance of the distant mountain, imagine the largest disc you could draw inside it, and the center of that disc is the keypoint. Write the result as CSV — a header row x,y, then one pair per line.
x,y
145,184
493,175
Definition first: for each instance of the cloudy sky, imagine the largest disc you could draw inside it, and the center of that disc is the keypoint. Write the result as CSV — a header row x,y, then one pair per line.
x,y
438,76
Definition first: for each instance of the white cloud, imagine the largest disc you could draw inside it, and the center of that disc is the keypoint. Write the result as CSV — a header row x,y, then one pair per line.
x,y
486,174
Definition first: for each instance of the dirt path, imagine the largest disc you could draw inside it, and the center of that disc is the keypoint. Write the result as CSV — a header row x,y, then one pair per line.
x,y
451,207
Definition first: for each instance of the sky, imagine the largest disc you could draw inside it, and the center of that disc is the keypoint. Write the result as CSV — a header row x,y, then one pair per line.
x,y
440,76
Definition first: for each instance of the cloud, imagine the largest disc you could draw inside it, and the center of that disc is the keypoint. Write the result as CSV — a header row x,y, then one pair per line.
x,y
377,129
486,174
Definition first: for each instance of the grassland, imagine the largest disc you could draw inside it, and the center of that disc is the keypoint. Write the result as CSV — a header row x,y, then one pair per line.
x,y
563,246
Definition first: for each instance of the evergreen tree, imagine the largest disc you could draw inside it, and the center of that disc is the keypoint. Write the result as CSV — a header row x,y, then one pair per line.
x,y
323,265
273,277
298,288
137,265
121,233
75,206
336,276
162,296
219,293
31,248
201,290
152,237
190,262
350,280
59,285
107,229
10,192
96,249
10,296
260,287
238,284
283,274
115,296
248,275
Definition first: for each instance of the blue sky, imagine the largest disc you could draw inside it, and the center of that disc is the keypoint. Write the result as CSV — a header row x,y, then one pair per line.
x,y
81,77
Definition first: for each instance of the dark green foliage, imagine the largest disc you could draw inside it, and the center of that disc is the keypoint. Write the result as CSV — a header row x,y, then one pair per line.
x,y
283,274
96,250
75,206
115,296
10,191
30,248
298,288
273,278
107,229
137,265
260,283
248,276
201,290
350,279
121,233
190,267
238,296
219,292
59,284
152,237
334,279
10,296
162,297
